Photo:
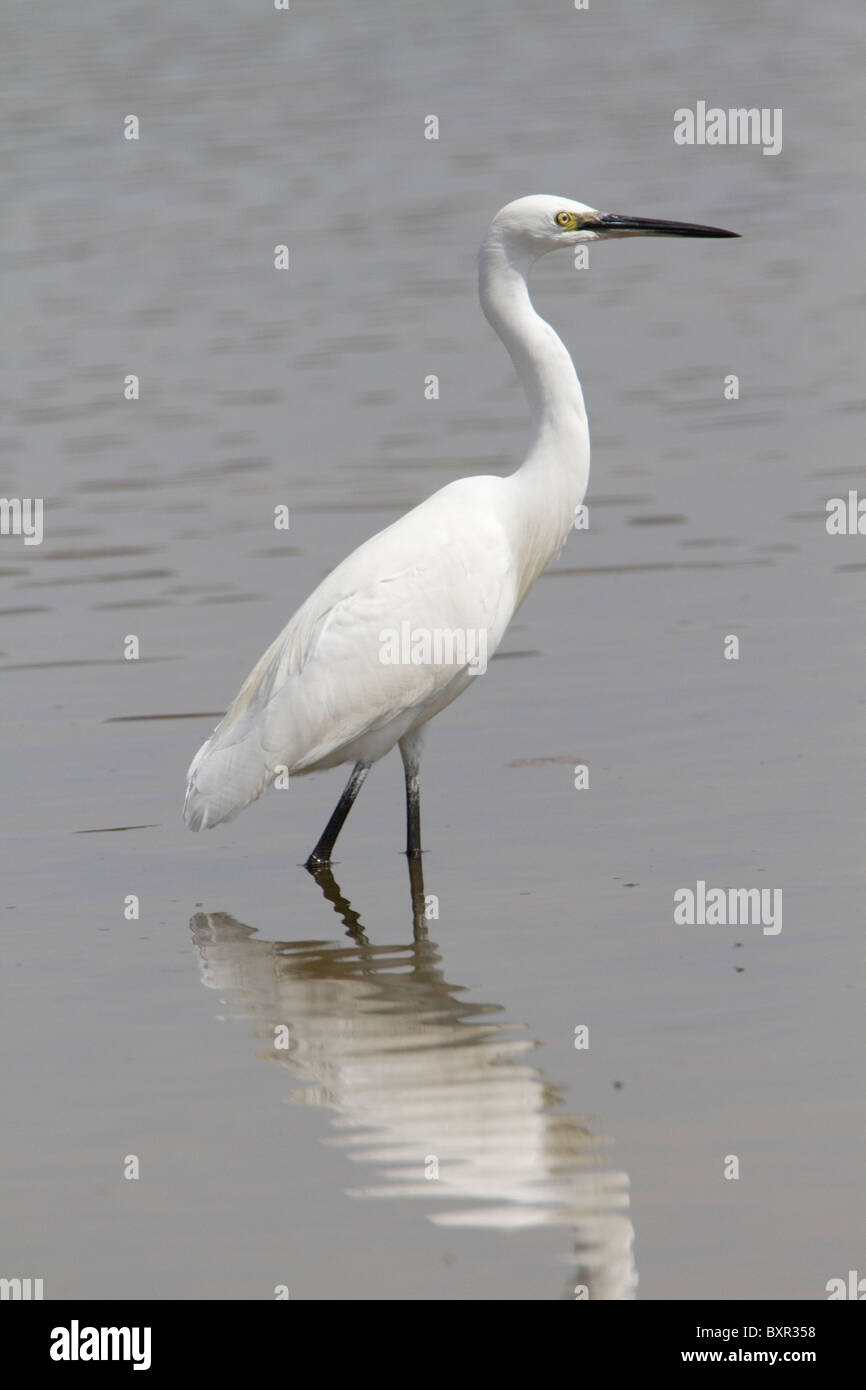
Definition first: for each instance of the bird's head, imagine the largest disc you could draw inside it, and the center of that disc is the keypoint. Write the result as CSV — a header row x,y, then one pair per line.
x,y
530,227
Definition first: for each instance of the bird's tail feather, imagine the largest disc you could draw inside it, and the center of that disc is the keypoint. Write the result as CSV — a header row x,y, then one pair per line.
x,y
223,780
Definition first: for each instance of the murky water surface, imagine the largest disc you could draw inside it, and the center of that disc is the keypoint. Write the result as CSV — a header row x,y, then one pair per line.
x,y
446,1044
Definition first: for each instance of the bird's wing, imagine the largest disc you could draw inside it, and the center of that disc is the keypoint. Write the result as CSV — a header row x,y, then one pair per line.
x,y
326,680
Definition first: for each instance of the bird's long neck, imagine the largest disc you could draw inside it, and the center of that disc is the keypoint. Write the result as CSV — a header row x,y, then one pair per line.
x,y
552,481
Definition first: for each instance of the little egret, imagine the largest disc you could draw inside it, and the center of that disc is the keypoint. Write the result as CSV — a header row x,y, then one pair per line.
x,y
395,632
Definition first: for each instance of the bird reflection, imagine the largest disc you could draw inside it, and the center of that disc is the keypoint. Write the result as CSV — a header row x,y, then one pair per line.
x,y
428,1088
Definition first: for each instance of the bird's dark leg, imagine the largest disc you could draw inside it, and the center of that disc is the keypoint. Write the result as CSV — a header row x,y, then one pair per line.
x,y
322,853
413,816
410,748
419,900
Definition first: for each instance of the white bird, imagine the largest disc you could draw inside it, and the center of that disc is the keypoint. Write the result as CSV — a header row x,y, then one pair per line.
x,y
407,621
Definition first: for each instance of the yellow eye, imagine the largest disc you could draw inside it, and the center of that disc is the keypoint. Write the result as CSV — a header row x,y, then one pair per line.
x,y
563,219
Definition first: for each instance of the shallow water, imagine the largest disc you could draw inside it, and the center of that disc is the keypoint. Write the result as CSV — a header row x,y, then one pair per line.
x,y
450,1036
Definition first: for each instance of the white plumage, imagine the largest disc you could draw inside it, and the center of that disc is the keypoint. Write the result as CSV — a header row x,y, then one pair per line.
x,y
320,695
462,561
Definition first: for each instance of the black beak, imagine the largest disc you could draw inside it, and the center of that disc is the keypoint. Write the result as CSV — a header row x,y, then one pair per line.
x,y
614,224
